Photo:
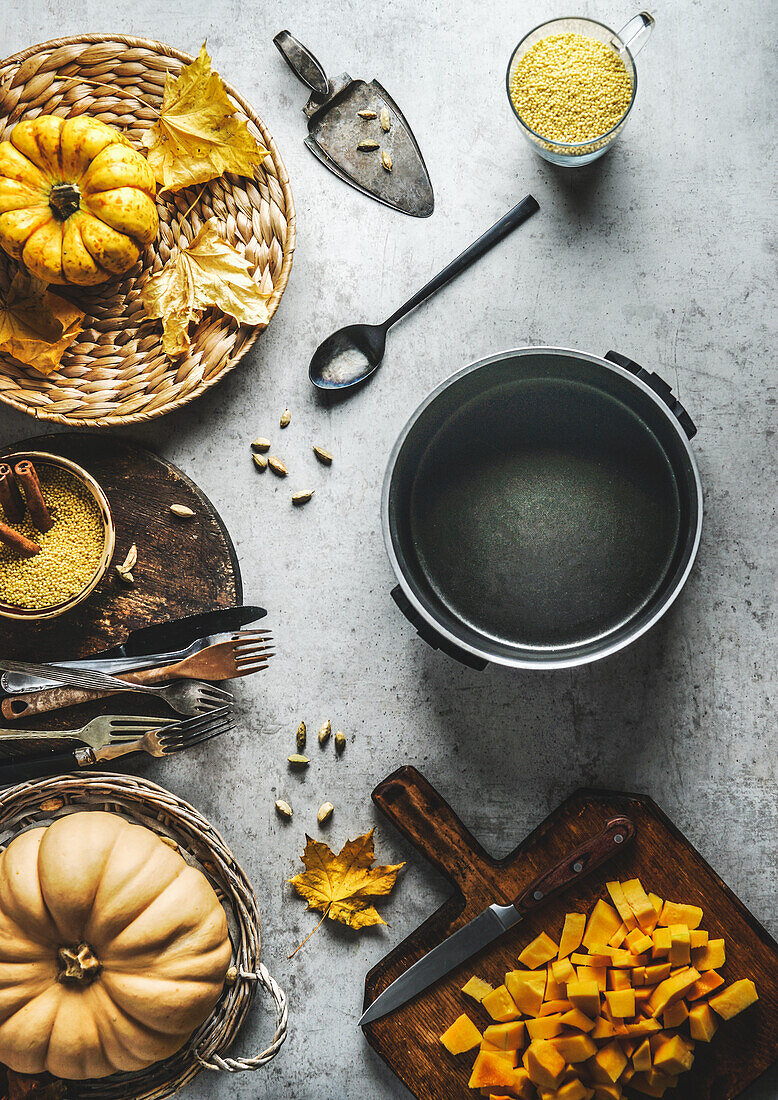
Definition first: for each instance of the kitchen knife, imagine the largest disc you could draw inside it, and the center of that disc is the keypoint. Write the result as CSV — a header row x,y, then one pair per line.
x,y
160,640
489,925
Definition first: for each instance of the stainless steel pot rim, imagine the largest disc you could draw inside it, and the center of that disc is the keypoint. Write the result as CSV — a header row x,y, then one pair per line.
x,y
558,661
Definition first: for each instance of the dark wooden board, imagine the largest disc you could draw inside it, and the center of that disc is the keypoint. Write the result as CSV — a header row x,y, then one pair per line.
x,y
183,566
665,861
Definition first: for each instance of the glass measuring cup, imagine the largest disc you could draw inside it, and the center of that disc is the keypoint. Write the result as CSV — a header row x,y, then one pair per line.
x,y
626,43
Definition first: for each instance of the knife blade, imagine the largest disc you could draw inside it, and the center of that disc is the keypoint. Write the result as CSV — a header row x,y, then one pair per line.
x,y
158,641
496,919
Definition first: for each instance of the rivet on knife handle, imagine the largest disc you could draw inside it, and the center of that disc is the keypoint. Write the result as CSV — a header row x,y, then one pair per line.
x,y
613,839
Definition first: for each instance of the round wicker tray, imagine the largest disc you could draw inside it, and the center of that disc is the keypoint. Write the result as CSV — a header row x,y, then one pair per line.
x,y
144,803
116,372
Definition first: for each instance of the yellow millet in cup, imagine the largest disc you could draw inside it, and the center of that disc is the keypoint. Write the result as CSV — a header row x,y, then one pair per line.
x,y
70,551
571,88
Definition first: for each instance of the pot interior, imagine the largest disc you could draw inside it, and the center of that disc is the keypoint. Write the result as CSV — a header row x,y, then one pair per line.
x,y
541,503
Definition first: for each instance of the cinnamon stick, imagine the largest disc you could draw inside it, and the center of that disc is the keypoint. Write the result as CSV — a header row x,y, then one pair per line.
x,y
28,479
10,497
18,542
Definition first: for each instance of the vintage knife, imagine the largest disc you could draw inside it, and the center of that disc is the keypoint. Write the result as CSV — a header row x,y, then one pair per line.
x,y
158,640
495,920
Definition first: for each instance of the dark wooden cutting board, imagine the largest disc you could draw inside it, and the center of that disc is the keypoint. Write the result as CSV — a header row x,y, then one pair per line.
x,y
660,856
184,566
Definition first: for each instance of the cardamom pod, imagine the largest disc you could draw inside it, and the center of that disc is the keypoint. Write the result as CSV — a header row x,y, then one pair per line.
x,y
277,466
283,808
367,114
325,812
261,444
260,461
323,456
297,760
386,120
129,561
286,418
367,146
301,737
324,732
302,497
386,160
181,511
340,742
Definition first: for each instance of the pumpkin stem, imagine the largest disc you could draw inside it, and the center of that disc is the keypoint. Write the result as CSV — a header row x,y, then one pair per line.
x,y
77,964
64,199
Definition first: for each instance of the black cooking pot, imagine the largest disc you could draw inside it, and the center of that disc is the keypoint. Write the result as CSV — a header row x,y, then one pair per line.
x,y
542,508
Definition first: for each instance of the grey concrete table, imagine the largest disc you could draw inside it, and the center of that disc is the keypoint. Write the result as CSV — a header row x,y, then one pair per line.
x,y
662,250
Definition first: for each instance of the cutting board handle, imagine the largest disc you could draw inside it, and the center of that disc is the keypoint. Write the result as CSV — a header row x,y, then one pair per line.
x,y
430,824
595,851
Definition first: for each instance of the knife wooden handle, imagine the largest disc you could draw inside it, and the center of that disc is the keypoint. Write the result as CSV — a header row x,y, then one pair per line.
x,y
614,838
427,820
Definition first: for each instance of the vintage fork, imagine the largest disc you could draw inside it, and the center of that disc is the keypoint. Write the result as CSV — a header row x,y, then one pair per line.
x,y
161,741
240,656
105,730
187,697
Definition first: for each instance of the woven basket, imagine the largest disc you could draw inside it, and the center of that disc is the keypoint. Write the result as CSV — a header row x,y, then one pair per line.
x,y
198,842
116,372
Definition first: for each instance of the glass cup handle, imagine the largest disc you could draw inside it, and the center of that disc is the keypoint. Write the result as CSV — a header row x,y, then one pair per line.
x,y
635,34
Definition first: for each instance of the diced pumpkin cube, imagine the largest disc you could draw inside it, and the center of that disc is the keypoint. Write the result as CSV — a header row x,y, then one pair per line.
x,y
638,942
596,974
554,991
463,1035
611,1060
618,937
702,1022
641,1057
640,904
572,934
591,960
733,999
544,1027
622,905
619,979
575,1048
555,1008
573,1090
661,940
672,989
621,1002
657,973
477,988
607,1092
544,1064
680,954
490,1069
643,1027
526,988
675,913
704,985
603,1029
673,1056
649,1086
563,971
626,960
601,925
710,957
657,903
698,937
638,975
511,1056
675,1015
538,952
575,1018
500,1005
508,1036
584,995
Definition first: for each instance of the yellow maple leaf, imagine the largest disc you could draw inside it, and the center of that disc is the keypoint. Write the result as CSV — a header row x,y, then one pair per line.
x,y
36,326
198,135
210,272
344,886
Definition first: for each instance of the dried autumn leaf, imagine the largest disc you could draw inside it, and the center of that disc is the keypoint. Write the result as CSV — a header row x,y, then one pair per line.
x,y
36,326
198,135
210,272
344,886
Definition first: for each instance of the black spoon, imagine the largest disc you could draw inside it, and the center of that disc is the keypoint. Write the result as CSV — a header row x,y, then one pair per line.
x,y
351,354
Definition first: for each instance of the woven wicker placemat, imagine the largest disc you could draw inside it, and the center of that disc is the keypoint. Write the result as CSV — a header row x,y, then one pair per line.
x,y
116,371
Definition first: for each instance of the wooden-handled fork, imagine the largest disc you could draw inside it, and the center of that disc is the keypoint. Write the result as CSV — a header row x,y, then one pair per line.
x,y
247,652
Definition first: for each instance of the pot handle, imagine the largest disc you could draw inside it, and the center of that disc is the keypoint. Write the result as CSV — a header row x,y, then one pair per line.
x,y
431,637
240,1065
660,388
